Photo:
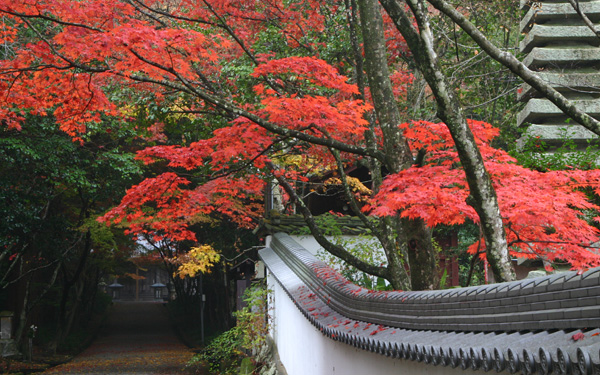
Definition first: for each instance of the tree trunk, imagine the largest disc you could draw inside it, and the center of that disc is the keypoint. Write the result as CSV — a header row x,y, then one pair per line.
x,y
422,255
483,196
21,328
398,155
397,152
73,313
395,247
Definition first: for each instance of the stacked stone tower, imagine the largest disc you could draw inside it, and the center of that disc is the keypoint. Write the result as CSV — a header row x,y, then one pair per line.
x,y
564,51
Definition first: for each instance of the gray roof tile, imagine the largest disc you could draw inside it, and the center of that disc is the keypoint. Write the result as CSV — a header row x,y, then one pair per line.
x,y
491,324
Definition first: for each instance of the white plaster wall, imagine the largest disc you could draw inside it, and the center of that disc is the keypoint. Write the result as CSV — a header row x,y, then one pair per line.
x,y
304,350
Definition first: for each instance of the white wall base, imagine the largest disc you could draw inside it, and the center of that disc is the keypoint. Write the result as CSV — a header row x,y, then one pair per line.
x,y
304,350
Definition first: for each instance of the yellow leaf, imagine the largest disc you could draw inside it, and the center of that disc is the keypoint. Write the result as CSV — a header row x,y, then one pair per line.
x,y
198,259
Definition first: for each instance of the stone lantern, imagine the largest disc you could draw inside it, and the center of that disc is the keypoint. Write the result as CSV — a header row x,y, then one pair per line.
x,y
563,51
158,290
6,318
115,289
7,344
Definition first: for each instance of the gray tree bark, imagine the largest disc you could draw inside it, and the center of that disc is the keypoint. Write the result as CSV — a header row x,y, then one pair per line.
x,y
398,237
482,194
518,68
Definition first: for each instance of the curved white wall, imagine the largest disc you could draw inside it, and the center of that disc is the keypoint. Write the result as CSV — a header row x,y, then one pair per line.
x,y
304,350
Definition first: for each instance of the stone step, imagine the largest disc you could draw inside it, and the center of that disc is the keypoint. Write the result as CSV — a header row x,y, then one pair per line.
x,y
568,57
555,36
556,134
543,12
8,348
526,4
577,83
544,111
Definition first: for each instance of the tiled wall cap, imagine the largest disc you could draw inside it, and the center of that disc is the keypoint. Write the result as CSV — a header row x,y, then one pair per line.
x,y
388,349
499,361
528,362
436,357
404,353
584,362
415,353
464,358
427,354
487,360
427,315
475,359
396,352
408,349
545,360
563,361
513,361
453,358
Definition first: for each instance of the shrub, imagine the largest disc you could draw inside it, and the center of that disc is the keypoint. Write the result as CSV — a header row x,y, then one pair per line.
x,y
221,356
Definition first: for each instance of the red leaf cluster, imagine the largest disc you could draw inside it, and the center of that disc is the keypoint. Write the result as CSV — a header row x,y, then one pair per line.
x,y
162,207
546,214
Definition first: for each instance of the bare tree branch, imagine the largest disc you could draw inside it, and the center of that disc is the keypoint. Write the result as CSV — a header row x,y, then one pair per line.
x,y
518,68
332,248
584,17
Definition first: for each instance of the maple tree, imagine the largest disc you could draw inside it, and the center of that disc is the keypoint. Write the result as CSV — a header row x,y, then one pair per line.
x,y
548,215
257,76
198,259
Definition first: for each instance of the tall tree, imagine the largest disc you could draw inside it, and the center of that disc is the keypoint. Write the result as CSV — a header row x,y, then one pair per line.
x,y
413,235
255,75
482,197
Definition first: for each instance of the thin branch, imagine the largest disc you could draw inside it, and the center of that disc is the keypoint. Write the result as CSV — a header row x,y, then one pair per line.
x,y
52,19
242,252
47,286
506,92
222,24
247,163
332,248
225,26
145,13
338,160
220,103
172,16
518,67
230,107
584,17
475,256
33,270
72,63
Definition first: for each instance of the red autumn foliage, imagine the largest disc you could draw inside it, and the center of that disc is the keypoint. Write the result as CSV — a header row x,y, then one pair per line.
x,y
89,48
578,336
546,214
93,46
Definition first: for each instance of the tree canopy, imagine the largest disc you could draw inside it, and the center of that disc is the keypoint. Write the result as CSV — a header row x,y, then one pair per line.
x,y
292,91
547,214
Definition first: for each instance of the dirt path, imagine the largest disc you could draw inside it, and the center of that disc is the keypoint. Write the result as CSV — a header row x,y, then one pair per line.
x,y
137,339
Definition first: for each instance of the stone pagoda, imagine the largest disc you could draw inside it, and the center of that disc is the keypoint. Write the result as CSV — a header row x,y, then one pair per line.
x,y
564,50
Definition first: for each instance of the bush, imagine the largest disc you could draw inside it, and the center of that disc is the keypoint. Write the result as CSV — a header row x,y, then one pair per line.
x,y
224,354
252,319
221,356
